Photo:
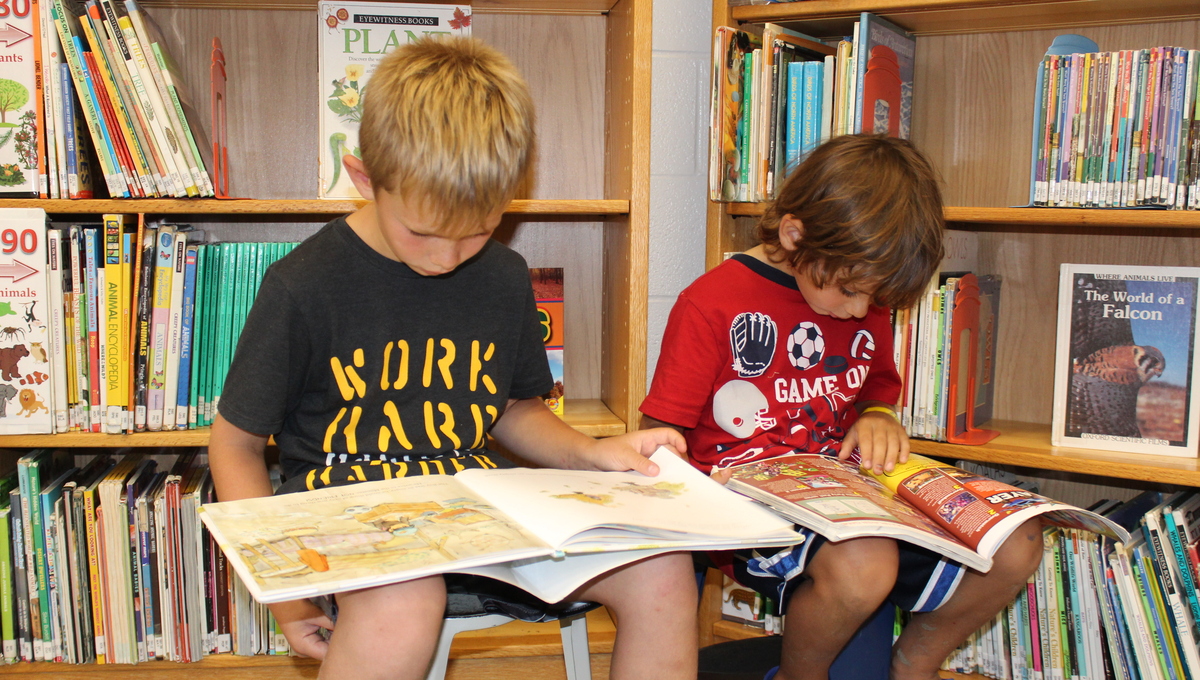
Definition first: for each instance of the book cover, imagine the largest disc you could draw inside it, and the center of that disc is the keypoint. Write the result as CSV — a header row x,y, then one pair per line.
x,y
564,527
1125,359
20,104
183,393
731,51
884,77
26,397
164,267
924,502
548,295
354,37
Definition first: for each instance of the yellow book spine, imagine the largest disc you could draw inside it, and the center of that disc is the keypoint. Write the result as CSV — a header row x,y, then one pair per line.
x,y
114,337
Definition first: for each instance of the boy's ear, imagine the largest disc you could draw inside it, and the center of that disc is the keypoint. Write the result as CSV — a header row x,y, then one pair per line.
x,y
358,176
791,230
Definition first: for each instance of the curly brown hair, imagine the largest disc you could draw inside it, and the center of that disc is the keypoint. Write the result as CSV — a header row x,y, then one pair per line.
x,y
871,212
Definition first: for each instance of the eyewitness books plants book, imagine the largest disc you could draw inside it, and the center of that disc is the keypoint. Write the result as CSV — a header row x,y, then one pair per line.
x,y
547,531
354,37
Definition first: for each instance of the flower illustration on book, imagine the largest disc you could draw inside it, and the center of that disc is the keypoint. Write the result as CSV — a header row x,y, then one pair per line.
x,y
336,17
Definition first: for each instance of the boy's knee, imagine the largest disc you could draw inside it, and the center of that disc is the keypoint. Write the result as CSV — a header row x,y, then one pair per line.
x,y
862,572
1021,553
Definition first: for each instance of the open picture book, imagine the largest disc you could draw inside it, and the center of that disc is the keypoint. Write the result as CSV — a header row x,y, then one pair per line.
x,y
546,531
961,515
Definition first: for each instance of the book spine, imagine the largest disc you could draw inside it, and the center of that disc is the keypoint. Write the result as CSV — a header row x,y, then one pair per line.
x,y
91,284
812,115
183,394
174,331
795,114
113,294
57,328
94,560
159,325
145,295
23,620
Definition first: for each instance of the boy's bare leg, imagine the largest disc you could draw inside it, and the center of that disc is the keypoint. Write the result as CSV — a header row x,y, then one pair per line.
x,y
847,582
653,603
386,632
931,636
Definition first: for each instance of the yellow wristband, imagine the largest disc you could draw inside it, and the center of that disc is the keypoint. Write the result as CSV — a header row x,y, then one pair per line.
x,y
881,409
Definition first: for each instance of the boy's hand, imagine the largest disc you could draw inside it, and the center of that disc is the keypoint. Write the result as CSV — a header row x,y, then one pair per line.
x,y
881,441
631,451
303,623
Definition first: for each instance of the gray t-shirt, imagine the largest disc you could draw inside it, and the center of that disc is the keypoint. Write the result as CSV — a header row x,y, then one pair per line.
x,y
364,369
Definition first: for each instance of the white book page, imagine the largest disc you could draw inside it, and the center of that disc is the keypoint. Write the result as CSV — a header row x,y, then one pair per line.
x,y
681,501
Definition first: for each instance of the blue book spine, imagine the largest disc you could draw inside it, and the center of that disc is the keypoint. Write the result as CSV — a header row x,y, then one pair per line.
x,y
795,113
1181,561
68,123
91,86
185,338
812,114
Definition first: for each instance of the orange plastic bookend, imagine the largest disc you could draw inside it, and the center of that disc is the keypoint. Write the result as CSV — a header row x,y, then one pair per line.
x,y
220,138
965,320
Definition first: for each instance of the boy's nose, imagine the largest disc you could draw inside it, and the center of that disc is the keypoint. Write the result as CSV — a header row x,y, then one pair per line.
x,y
858,306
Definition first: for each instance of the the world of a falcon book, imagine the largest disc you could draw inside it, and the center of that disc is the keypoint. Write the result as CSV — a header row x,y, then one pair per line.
x,y
1125,361
546,531
26,402
354,37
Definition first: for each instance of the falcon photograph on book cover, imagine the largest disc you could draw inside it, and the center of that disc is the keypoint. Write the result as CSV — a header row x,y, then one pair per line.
x,y
1125,362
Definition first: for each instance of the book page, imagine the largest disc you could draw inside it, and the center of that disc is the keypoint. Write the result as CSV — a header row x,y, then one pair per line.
x,y
586,510
978,510
834,499
348,537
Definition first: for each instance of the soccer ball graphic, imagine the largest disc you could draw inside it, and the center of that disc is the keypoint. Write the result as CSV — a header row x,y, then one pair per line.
x,y
805,345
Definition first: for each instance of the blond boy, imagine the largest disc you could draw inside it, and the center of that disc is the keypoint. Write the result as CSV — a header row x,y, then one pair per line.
x,y
394,340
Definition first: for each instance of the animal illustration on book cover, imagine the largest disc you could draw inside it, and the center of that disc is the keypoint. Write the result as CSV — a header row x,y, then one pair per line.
x,y
354,37
1130,356
548,293
25,398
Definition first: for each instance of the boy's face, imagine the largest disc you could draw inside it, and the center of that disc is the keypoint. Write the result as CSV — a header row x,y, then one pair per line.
x,y
410,235
840,300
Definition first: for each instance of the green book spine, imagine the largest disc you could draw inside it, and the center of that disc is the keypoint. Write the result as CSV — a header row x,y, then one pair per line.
x,y
7,627
195,407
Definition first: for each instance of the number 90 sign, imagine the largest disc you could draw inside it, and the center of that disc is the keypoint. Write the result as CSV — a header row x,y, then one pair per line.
x,y
11,240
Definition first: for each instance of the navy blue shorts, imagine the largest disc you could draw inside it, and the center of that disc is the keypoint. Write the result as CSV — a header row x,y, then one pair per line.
x,y
925,580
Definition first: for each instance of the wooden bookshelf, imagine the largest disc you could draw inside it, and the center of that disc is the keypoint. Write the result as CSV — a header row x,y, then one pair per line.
x,y
290,207
516,648
831,18
589,416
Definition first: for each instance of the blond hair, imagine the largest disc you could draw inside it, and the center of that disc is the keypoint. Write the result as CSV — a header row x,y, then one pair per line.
x,y
871,211
448,127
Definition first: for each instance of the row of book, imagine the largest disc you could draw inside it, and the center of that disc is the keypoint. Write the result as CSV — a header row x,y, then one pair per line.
x,y
1117,129
1103,609
121,326
157,345
924,344
106,561
777,94
96,91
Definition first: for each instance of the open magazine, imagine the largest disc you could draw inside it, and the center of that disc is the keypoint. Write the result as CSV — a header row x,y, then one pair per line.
x,y
961,515
547,531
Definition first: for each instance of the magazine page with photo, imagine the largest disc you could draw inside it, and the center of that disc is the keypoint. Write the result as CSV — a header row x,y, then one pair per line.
x,y
1125,361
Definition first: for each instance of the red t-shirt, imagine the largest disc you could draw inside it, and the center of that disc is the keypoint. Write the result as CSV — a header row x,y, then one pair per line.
x,y
754,372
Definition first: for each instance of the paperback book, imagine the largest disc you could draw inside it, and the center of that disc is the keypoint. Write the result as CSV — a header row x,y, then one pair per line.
x,y
354,38
961,515
1125,364
547,531
21,135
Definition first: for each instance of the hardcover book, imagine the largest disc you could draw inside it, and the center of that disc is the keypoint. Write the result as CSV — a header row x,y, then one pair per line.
x,y
354,37
21,104
1125,363
548,294
26,401
547,531
961,515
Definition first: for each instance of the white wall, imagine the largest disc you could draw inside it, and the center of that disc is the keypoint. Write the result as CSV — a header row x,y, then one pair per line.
x,y
678,157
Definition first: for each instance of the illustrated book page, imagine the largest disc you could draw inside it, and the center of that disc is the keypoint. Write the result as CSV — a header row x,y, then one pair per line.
x,y
931,504
516,525
1125,364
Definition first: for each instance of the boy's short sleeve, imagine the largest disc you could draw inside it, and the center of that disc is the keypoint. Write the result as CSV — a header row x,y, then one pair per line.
x,y
269,368
689,364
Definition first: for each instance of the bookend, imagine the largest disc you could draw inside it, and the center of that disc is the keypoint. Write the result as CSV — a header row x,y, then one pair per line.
x,y
220,139
965,319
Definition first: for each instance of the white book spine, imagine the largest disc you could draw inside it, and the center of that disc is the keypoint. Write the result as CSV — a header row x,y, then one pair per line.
x,y
174,333
58,331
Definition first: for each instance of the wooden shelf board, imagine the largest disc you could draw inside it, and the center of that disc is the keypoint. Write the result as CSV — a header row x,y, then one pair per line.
x,y
478,6
511,640
967,216
832,18
315,206
589,416
1028,445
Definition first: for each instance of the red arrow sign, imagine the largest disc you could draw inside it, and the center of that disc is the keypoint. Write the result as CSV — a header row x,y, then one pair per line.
x,y
12,35
16,270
